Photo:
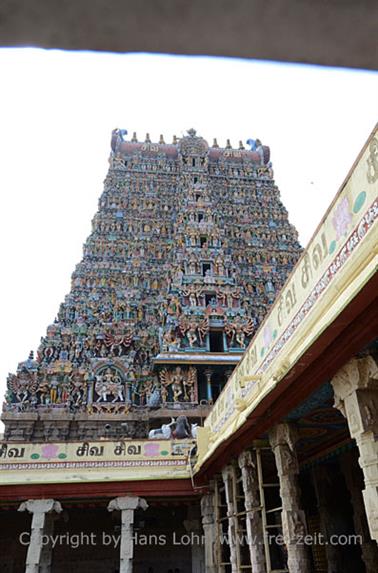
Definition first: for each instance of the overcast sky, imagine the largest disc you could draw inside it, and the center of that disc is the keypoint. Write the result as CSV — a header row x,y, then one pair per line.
x,y
57,110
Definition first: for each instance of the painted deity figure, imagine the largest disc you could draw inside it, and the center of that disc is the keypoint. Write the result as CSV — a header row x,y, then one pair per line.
x,y
109,384
170,341
192,334
78,389
240,335
189,384
177,384
44,392
23,386
219,266
54,385
193,293
192,266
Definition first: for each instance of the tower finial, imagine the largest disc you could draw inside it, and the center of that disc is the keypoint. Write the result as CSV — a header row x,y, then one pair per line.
x,y
161,140
191,132
134,138
215,143
228,144
148,140
174,140
241,146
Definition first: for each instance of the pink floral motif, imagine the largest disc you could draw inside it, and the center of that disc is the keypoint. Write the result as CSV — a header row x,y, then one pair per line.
x,y
50,451
151,449
342,218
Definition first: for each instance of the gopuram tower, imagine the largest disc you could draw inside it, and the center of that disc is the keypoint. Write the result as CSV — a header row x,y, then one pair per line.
x,y
189,247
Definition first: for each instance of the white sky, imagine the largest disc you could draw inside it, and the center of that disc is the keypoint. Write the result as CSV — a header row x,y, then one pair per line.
x,y
57,110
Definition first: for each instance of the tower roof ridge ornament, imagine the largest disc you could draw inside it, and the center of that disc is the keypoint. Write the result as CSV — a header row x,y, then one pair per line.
x,y
191,132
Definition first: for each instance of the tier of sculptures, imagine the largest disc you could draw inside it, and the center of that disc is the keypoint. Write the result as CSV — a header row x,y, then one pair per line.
x,y
188,241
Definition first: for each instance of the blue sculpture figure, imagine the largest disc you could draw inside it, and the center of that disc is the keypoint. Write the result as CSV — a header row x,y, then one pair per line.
x,y
118,136
252,143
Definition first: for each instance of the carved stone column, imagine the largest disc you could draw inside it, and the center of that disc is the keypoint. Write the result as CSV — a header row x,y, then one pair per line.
x,y
228,475
282,440
323,491
193,526
38,558
209,529
356,396
46,554
127,507
354,482
255,534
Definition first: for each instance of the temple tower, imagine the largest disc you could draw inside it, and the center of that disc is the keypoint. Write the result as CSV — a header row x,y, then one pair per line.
x,y
189,246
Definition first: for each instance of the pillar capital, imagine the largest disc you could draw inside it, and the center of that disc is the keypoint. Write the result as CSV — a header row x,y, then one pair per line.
x,y
245,460
207,508
283,434
357,374
127,503
283,438
355,387
41,506
227,472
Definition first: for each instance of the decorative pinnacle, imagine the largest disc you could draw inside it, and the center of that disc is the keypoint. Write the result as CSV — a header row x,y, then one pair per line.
x,y
241,146
134,138
174,140
191,132
215,143
228,144
161,140
148,140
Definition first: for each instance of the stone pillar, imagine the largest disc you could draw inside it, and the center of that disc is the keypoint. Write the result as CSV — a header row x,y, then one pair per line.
x,y
282,440
255,534
354,482
356,396
46,554
228,474
323,491
38,558
127,507
193,526
209,529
